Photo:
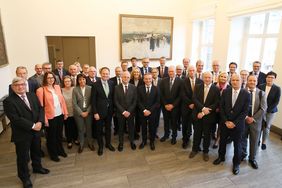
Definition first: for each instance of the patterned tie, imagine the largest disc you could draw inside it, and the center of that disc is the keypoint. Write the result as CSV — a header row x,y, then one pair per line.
x,y
162,72
125,90
206,90
193,85
25,101
234,97
170,84
106,88
118,81
250,112
148,90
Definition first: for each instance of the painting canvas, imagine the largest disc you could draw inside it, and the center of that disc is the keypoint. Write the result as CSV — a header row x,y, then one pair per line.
x,y
3,54
145,36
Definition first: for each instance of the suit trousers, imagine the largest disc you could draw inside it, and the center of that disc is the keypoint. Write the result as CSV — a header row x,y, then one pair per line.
x,y
201,128
254,131
170,122
122,122
148,122
101,123
70,129
84,126
54,136
267,122
24,150
186,125
236,136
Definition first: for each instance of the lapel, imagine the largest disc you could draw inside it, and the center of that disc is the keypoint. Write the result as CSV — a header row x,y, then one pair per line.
x,y
80,92
257,101
209,93
102,88
238,97
23,103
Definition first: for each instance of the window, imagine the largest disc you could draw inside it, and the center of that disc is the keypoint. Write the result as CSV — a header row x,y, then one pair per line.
x,y
202,41
254,38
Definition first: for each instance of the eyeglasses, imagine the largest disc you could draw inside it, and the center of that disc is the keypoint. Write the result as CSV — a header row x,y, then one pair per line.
x,y
18,85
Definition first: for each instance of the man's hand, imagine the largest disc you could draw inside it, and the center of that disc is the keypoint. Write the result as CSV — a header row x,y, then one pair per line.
x,y
200,115
206,110
169,107
96,117
230,124
37,126
146,113
126,114
191,106
84,114
249,120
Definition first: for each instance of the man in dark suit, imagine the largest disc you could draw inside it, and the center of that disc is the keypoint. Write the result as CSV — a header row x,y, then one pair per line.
x,y
188,105
163,70
199,69
125,98
145,69
206,100
31,84
253,124
92,76
179,71
133,61
27,117
256,71
60,71
116,81
102,107
232,70
186,63
234,105
170,97
215,71
273,93
148,103
156,81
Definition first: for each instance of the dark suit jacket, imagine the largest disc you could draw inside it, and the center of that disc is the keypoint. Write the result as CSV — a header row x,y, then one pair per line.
x,y
165,72
142,70
212,102
65,72
273,97
150,102
140,82
89,82
102,104
261,78
125,102
187,93
114,80
171,97
239,111
32,86
22,118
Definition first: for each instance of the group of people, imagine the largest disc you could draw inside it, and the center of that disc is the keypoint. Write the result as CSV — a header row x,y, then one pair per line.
x,y
80,106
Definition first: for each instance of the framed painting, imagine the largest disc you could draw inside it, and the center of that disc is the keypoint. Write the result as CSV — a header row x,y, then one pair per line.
x,y
145,36
3,54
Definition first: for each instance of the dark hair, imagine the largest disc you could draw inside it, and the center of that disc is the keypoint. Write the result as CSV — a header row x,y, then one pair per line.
x,y
133,58
233,63
103,68
78,77
63,81
271,73
257,62
58,60
45,83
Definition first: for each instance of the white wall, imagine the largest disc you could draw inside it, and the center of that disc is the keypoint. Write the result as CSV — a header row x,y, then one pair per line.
x,y
26,23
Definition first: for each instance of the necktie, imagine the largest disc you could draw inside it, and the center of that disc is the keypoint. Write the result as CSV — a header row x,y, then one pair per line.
x,y
162,72
146,71
243,85
118,81
170,84
61,74
73,81
256,73
106,88
250,113
125,90
193,85
234,97
25,101
148,91
206,90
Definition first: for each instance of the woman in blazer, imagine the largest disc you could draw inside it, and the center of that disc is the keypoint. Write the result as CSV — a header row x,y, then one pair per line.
x,y
81,97
51,98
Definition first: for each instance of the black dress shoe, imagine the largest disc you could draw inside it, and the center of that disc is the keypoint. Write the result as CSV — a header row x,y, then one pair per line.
x,y
110,147
27,184
63,154
100,151
80,149
185,145
152,146
56,159
263,146
218,161
163,138
91,147
236,169
76,142
133,146
215,146
254,164
243,157
41,171
173,141
69,145
120,147
142,145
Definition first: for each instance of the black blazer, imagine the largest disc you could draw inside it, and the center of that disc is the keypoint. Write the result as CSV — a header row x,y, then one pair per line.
x,y
125,102
261,78
165,72
140,82
89,82
239,111
150,102
171,97
65,72
212,102
187,93
22,118
114,80
102,104
32,86
142,70
273,97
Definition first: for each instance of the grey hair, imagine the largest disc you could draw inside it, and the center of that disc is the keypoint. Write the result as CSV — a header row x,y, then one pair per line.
x,y
17,79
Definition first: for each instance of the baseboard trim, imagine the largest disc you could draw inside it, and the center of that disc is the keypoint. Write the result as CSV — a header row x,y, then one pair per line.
x,y
276,130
